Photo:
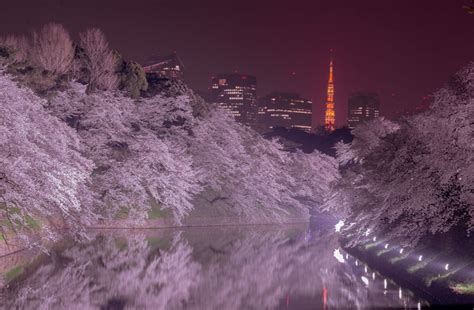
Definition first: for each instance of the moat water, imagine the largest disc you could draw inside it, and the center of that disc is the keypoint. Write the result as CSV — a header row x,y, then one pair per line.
x,y
245,267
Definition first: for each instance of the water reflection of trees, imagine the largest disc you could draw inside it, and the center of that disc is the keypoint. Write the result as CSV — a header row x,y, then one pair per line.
x,y
211,269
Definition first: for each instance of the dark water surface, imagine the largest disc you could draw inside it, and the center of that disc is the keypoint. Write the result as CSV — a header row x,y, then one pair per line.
x,y
246,267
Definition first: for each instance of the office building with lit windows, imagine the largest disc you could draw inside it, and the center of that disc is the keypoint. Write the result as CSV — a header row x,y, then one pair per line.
x,y
362,107
237,94
285,110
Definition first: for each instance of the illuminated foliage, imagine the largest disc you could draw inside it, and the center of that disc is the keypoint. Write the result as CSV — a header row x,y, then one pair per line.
x,y
415,178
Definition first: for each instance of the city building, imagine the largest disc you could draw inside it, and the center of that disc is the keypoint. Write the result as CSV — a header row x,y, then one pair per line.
x,y
284,110
330,114
169,66
362,106
237,94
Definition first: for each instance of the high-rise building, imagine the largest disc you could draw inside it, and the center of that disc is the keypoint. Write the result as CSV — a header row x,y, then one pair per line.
x,y
169,66
237,94
284,110
362,106
330,114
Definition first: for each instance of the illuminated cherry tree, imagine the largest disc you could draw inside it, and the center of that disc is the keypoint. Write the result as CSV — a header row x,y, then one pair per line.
x,y
134,166
254,174
43,176
415,178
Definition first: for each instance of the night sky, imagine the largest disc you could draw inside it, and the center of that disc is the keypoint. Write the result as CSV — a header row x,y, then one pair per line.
x,y
402,49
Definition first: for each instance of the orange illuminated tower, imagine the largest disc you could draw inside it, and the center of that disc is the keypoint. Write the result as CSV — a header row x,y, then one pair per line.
x,y
330,115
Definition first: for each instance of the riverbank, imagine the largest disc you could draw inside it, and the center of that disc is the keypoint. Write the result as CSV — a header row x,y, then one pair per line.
x,y
191,222
438,274
14,257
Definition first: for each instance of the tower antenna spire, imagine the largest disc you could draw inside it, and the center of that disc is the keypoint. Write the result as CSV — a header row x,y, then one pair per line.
x,y
330,114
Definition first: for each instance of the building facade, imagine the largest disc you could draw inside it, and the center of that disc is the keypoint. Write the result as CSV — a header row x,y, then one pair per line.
x,y
362,106
169,66
284,110
237,94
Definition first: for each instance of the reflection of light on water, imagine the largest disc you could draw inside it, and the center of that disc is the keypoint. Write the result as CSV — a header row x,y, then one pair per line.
x,y
339,225
365,280
338,256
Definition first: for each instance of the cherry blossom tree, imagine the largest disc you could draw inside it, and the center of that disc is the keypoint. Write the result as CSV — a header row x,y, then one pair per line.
x,y
135,166
413,179
254,174
43,176
156,148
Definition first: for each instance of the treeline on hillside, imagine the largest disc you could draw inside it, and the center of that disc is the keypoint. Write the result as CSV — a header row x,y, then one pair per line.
x,y
321,141
75,148
49,58
412,179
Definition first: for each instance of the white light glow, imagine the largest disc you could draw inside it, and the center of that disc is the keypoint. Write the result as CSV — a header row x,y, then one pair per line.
x,y
446,267
365,280
420,258
386,245
400,293
338,256
401,251
357,263
365,269
385,283
419,305
367,232
375,239
339,225
373,275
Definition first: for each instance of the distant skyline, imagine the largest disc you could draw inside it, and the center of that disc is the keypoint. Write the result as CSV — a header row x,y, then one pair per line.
x,y
403,49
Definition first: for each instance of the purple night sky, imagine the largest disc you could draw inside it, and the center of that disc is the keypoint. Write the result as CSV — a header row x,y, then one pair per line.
x,y
401,49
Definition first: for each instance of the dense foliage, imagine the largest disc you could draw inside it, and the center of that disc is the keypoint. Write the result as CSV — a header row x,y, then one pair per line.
x,y
100,140
126,156
42,173
414,178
